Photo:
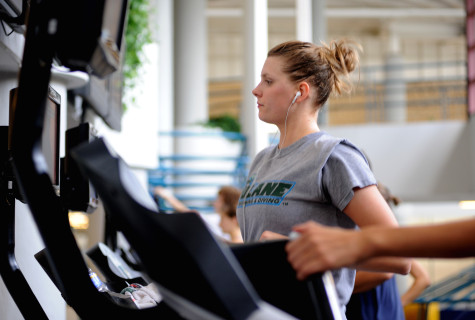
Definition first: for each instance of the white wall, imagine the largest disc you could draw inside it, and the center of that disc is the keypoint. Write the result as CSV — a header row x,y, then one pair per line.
x,y
137,142
426,161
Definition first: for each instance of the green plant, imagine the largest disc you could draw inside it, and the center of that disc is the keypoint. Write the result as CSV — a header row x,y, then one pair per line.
x,y
225,122
137,35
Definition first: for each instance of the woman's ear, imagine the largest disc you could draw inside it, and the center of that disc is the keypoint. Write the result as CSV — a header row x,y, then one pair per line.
x,y
304,90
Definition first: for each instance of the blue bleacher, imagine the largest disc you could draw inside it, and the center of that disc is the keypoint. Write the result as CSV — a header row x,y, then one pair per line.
x,y
455,295
171,173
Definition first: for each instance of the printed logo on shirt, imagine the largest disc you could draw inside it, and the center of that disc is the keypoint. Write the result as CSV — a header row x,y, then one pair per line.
x,y
270,192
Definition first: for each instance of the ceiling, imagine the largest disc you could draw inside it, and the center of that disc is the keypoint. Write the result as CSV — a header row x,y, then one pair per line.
x,y
352,16
423,4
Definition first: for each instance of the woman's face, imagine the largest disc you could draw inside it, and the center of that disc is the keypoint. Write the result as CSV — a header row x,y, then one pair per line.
x,y
275,92
227,224
218,204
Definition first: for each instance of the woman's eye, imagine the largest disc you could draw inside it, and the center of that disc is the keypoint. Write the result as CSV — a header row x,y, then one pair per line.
x,y
268,81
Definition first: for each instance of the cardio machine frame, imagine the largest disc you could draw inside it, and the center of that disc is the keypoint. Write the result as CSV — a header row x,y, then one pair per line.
x,y
63,254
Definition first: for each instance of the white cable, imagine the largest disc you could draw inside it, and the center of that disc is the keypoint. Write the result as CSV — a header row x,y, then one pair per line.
x,y
285,123
257,171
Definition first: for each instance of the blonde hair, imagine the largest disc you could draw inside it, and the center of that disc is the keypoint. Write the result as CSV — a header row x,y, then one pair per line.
x,y
326,67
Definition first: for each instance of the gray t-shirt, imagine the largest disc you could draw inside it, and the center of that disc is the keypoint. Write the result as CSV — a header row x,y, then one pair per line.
x,y
312,179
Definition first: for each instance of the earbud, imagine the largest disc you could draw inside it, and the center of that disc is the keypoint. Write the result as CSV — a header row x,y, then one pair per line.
x,y
298,94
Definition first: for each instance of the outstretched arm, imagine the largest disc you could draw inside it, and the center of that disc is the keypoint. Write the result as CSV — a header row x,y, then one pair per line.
x,y
166,195
321,248
421,281
367,280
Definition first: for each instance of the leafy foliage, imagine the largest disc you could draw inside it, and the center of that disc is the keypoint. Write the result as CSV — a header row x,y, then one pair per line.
x,y
225,122
137,34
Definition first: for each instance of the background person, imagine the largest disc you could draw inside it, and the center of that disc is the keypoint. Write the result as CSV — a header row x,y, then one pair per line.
x,y
225,205
421,281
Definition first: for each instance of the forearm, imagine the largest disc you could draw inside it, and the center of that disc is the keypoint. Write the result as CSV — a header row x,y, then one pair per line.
x,y
412,293
366,280
386,264
420,283
177,204
449,240
166,195
322,248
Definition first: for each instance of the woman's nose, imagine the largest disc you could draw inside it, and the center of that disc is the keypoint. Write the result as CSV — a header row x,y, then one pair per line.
x,y
255,91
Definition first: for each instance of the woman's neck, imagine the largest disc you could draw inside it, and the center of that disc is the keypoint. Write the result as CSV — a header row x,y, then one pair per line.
x,y
296,132
236,236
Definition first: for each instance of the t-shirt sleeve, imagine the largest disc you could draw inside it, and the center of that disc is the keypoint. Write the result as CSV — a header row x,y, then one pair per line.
x,y
346,169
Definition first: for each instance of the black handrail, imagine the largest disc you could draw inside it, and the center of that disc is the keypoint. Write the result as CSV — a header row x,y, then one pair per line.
x,y
64,256
12,276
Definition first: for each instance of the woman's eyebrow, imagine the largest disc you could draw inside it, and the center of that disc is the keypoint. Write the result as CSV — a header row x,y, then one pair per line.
x,y
265,75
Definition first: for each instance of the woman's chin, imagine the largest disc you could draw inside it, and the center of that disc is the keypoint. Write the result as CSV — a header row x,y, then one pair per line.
x,y
263,118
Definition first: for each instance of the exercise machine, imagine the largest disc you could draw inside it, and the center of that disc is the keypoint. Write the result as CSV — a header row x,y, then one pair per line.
x,y
198,276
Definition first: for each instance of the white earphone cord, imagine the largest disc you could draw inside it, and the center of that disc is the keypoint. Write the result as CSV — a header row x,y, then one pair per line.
x,y
298,94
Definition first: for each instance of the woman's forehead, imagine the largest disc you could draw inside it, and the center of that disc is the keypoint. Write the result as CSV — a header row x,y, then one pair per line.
x,y
273,66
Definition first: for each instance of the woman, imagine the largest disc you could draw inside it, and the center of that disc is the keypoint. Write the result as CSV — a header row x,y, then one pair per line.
x,y
225,205
309,175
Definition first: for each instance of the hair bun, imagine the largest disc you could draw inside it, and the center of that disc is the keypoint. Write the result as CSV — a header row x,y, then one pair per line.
x,y
343,58
347,53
